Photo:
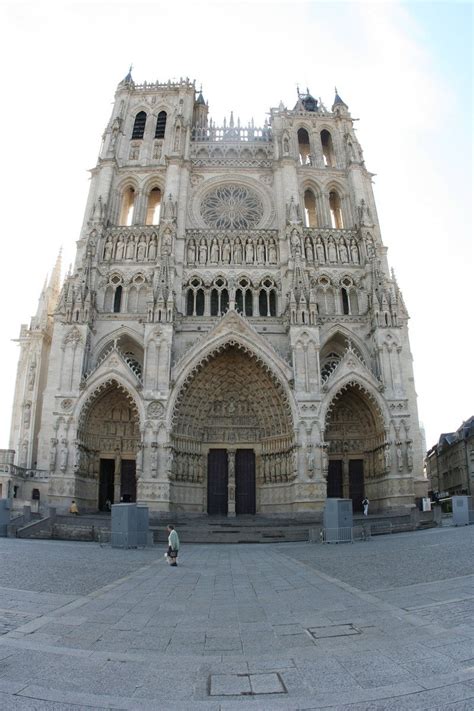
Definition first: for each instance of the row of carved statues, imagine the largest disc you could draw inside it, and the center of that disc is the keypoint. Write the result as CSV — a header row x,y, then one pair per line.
x,y
279,467
125,245
329,249
255,249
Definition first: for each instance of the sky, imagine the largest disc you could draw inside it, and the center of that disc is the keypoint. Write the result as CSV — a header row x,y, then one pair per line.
x,y
404,69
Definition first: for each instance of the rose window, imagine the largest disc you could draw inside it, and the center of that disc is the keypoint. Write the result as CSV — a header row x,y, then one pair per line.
x,y
231,207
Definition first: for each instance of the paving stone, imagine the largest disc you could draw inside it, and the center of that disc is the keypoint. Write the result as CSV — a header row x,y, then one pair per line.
x,y
269,683
229,684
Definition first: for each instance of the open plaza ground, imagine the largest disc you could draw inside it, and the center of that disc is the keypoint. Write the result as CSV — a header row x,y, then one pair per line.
x,y
373,626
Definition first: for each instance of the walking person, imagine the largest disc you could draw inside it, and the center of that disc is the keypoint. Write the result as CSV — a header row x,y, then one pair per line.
x,y
73,508
365,504
173,546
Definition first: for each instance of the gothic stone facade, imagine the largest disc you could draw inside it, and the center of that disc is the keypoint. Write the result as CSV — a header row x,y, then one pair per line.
x,y
230,339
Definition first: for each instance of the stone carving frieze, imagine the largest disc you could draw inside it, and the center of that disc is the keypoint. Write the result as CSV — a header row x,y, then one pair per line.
x,y
231,247
334,247
130,244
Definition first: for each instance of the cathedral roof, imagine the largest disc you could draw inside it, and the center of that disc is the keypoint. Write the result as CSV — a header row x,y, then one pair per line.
x,y
200,99
128,79
339,101
306,102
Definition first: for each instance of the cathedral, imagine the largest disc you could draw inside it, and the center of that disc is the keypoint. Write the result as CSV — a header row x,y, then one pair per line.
x,y
230,339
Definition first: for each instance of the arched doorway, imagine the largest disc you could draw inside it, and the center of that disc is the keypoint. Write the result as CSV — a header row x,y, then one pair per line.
x,y
109,437
233,435
355,436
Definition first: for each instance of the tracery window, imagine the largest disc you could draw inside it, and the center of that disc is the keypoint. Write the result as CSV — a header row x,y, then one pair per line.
x,y
244,298
231,207
153,207
139,125
304,147
126,211
329,364
328,149
311,217
335,210
118,299
219,298
195,299
267,299
161,125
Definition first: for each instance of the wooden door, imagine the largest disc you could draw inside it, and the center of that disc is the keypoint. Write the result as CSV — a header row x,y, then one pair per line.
x,y
245,481
106,482
356,483
334,485
217,480
128,482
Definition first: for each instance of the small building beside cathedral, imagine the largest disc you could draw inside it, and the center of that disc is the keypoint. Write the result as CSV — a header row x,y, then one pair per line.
x,y
230,339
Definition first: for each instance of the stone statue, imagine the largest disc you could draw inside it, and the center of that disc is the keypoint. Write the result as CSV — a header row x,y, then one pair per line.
x,y
63,455
320,251
272,253
260,252
387,457
202,251
295,242
157,151
343,254
130,251
238,251
226,251
214,257
309,250
292,212
167,242
141,250
364,213
286,146
108,250
354,252
370,248
310,460
119,250
399,457
332,254
27,415
152,249
249,255
32,374
410,455
52,454
191,253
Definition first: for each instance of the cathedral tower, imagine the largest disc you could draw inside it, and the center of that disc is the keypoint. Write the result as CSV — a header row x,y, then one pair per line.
x,y
230,339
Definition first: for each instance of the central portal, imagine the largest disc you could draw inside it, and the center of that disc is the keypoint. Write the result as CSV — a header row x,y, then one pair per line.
x,y
231,482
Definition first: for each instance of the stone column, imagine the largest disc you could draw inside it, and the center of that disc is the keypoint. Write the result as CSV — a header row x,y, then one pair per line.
x,y
231,484
117,476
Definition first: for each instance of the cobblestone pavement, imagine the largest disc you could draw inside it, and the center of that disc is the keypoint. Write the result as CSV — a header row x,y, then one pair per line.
x,y
373,626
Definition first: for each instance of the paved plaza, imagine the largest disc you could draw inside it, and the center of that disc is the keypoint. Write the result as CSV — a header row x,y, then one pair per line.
x,y
377,625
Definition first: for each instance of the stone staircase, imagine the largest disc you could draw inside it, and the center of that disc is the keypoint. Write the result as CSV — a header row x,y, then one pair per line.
x,y
199,528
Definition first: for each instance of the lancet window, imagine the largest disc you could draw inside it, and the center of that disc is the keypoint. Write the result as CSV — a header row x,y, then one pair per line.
x,y
267,298
195,299
328,149
244,298
126,211
219,298
335,210
310,214
161,125
304,147
117,299
153,207
139,125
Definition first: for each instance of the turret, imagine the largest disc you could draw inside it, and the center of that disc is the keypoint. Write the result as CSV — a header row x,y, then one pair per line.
x,y
200,112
